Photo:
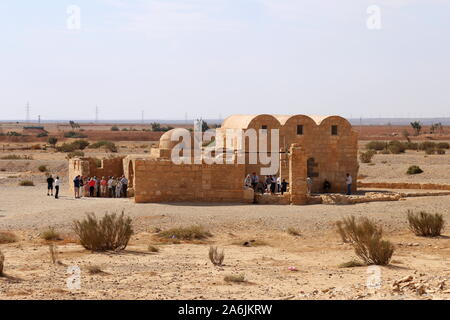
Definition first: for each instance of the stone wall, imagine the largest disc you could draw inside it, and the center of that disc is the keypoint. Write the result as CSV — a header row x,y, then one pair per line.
x,y
162,181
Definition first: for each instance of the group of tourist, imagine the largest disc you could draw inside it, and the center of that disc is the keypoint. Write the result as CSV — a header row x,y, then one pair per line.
x,y
53,184
96,187
273,184
270,184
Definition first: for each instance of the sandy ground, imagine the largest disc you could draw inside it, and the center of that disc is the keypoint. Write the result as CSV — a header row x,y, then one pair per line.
x,y
183,271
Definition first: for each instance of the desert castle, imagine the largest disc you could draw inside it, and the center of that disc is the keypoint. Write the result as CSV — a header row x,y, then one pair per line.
x,y
297,146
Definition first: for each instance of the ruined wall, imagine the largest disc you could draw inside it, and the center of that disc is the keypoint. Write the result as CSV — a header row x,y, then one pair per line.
x,y
162,181
87,167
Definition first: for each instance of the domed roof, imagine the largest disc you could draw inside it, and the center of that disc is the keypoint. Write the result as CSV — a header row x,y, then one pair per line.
x,y
173,137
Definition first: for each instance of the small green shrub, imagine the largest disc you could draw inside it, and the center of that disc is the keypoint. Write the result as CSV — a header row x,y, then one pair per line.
x,y
73,134
426,224
414,170
26,183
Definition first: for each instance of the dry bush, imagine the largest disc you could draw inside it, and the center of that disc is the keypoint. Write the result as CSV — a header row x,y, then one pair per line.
x,y
366,238
7,237
112,232
43,168
376,145
340,230
351,264
53,249
293,232
189,233
414,170
152,248
215,256
235,278
366,157
2,261
426,224
26,183
50,234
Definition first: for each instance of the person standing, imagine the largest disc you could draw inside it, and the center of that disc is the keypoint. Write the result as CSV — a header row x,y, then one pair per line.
x,y
284,185
57,185
110,191
309,184
255,180
103,187
92,184
124,182
114,187
76,186
118,188
50,182
248,181
349,182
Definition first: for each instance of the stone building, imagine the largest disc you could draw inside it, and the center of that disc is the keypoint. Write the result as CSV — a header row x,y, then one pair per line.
x,y
323,148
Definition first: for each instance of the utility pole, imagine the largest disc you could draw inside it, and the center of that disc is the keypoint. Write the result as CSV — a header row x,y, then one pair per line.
x,y
96,114
39,119
28,112
142,116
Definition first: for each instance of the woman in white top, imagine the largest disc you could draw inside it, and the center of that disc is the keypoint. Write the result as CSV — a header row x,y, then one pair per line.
x,y
57,184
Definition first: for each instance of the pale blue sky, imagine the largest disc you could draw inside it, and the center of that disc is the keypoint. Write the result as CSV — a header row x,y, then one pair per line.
x,y
219,57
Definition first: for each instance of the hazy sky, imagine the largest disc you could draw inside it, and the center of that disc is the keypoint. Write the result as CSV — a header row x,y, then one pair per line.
x,y
213,58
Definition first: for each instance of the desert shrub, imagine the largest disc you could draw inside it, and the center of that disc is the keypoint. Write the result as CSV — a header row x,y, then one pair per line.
x,y
108,145
42,168
112,232
366,238
430,151
73,134
152,248
443,145
2,263
376,145
440,151
366,157
53,141
7,237
235,278
215,256
411,145
26,183
115,128
426,224
414,170
396,147
341,231
188,233
16,157
293,232
13,134
71,147
427,145
50,234
75,154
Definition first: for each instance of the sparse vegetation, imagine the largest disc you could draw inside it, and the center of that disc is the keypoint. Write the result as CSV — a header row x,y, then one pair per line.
x,y
112,232
53,141
235,278
115,128
396,147
74,146
414,170
73,134
26,183
152,248
366,157
426,224
188,233
366,238
43,168
376,145
417,126
108,145
16,157
7,237
215,256
50,234
293,232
